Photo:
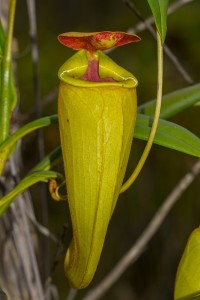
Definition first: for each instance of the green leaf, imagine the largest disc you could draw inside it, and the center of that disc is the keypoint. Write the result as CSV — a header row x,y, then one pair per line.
x,y
166,135
173,103
9,143
49,161
38,173
169,135
159,11
187,278
25,183
29,127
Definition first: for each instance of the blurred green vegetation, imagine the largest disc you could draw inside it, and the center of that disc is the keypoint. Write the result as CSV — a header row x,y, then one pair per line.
x,y
152,276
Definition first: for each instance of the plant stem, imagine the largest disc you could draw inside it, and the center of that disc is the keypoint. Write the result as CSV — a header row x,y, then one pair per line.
x,y
149,144
5,106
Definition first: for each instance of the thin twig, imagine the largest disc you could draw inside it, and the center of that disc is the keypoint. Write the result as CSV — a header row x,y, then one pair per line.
x,y
60,242
42,229
29,243
137,249
35,61
34,53
166,49
48,99
59,249
51,292
72,294
52,95
141,26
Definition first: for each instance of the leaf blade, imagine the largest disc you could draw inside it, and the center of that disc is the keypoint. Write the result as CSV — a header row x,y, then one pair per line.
x,y
159,11
6,146
187,277
25,183
173,103
169,135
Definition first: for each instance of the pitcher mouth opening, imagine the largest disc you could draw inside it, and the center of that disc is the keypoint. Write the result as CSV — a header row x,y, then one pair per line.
x,y
92,73
84,70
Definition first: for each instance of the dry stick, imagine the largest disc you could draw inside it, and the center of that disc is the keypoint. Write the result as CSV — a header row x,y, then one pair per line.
x,y
41,228
49,97
72,294
35,60
137,249
47,100
29,242
141,26
51,290
34,53
166,49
